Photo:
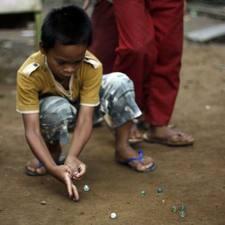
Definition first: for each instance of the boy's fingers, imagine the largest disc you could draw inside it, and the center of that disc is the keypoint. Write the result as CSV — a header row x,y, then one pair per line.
x,y
75,178
71,188
68,170
77,174
75,193
68,185
81,171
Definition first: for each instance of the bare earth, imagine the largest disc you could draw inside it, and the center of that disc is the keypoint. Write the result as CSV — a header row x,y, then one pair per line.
x,y
193,176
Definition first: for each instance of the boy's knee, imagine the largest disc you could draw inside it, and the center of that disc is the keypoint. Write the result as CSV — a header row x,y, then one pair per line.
x,y
121,89
120,82
54,110
57,115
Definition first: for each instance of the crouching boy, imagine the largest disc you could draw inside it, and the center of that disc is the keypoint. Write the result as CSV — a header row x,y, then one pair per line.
x,y
58,89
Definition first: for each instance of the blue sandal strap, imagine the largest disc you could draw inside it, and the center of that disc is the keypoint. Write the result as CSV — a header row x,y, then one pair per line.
x,y
140,157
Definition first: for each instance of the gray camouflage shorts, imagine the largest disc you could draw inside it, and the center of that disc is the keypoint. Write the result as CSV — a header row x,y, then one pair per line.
x,y
117,101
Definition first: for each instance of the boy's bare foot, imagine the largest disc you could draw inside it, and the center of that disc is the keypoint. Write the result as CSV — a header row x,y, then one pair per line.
x,y
168,136
135,135
35,168
135,160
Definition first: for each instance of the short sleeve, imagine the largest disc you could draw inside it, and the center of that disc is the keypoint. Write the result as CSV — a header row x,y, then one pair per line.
x,y
90,86
27,99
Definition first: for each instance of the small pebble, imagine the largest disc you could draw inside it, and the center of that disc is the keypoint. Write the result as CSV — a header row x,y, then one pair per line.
x,y
174,209
182,211
163,201
207,107
182,214
43,203
113,215
182,207
143,193
159,190
86,188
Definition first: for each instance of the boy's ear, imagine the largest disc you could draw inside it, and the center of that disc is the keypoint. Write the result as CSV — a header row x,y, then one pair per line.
x,y
41,48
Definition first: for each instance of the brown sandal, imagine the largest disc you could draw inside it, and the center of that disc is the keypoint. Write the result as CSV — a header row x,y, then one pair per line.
x,y
175,139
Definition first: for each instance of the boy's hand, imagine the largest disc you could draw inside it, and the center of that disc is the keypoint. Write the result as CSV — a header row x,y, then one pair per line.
x,y
63,173
77,167
71,188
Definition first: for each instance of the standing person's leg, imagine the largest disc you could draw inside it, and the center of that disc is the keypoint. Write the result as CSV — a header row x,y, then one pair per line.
x,y
132,58
163,83
109,21
136,38
105,37
117,100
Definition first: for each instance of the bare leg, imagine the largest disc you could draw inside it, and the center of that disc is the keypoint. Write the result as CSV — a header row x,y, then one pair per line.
x,y
55,150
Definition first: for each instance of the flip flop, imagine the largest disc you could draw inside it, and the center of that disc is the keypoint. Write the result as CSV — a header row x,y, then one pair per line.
x,y
139,158
35,173
29,172
175,140
135,140
135,135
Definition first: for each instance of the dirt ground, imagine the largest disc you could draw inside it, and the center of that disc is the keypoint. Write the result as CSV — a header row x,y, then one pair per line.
x,y
193,176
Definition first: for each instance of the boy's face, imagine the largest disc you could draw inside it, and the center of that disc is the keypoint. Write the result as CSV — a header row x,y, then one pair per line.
x,y
64,60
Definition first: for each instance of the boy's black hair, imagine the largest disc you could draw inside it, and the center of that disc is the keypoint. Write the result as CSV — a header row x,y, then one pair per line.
x,y
69,25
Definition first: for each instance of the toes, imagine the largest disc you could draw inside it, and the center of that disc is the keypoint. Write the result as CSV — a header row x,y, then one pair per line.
x,y
138,166
180,136
148,163
30,168
34,166
41,170
145,165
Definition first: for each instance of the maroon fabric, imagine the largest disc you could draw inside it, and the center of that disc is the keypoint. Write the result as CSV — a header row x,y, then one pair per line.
x,y
144,40
105,38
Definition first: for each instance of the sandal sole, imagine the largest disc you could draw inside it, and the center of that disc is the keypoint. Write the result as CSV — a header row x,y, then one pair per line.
x,y
166,142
